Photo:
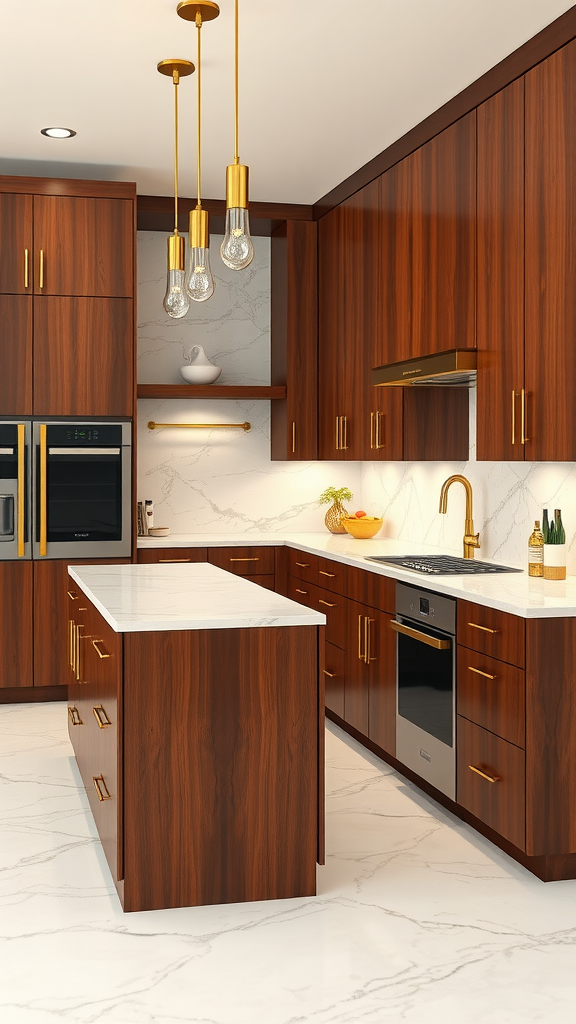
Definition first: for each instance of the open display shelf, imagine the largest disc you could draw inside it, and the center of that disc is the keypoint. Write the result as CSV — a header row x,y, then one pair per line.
x,y
236,391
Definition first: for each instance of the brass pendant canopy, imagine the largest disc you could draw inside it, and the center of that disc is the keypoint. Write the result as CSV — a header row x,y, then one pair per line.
x,y
178,64
188,9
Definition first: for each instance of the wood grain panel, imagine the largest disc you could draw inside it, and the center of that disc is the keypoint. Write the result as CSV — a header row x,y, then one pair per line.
x,y
88,246
382,682
334,575
83,357
156,213
500,253
294,340
500,804
435,424
331,340
238,753
16,235
357,681
243,561
335,609
303,565
550,736
334,674
16,374
157,555
551,257
229,392
16,624
393,341
492,694
67,187
492,632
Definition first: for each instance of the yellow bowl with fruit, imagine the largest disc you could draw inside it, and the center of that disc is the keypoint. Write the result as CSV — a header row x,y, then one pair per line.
x,y
362,526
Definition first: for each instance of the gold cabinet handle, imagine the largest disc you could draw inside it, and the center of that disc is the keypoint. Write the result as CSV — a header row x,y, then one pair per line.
x,y
26,268
366,641
293,437
101,654
372,432
101,788
523,406
327,603
20,486
257,559
513,416
303,565
484,775
71,643
101,717
361,653
301,591
43,492
369,655
77,651
485,629
480,673
74,716
337,443
415,634
344,433
72,595
331,575
169,561
331,675
41,271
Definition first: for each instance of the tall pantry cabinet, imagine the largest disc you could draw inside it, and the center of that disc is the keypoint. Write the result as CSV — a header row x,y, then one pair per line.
x,y
67,287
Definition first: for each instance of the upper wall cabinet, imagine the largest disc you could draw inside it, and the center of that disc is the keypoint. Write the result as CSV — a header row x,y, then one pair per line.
x,y
66,297
428,262
527,266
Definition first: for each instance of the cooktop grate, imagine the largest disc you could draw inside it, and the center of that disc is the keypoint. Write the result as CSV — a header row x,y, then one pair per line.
x,y
441,565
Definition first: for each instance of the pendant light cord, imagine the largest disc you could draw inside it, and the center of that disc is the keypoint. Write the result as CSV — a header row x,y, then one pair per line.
x,y
199,28
175,79
236,156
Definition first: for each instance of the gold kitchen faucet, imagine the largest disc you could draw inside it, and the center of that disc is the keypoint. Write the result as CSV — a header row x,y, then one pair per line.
x,y
471,540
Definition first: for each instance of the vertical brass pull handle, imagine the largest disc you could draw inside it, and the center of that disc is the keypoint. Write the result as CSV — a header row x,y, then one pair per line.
x,y
101,717
369,656
523,404
74,716
379,419
20,485
373,443
293,436
77,651
26,268
43,490
361,653
337,443
366,641
513,416
101,788
101,654
41,270
484,775
344,433
71,643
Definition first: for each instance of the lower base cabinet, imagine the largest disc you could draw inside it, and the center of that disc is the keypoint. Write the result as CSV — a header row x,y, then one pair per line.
x,y
16,603
491,781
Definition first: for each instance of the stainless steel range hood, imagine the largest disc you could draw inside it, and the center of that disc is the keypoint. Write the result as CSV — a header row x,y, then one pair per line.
x,y
456,368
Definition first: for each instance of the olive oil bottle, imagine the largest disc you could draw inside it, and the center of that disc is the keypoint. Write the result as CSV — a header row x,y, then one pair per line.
x,y
536,551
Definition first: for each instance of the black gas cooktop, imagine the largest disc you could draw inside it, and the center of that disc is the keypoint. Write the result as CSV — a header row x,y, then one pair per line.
x,y
441,565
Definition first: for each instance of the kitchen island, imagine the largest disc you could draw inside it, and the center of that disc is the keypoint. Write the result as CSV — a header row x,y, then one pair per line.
x,y
196,715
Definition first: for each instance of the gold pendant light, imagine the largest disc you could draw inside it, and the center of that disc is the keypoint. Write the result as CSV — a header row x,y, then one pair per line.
x,y
236,250
199,283
176,301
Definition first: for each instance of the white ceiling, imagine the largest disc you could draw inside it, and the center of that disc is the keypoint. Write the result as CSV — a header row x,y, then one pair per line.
x,y
325,85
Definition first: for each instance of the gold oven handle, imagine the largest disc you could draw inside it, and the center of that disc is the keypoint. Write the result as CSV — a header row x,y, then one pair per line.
x,y
21,450
430,641
43,491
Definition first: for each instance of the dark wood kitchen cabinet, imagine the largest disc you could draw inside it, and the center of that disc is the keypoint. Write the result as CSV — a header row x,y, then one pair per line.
x,y
16,234
16,667
16,373
294,340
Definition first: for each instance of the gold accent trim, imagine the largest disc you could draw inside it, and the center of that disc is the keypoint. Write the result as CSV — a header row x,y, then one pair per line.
x,y
20,488
523,406
236,186
415,634
300,591
513,416
72,595
485,629
303,565
554,572
432,368
256,558
379,416
331,575
361,656
366,641
26,268
98,781
101,654
71,643
369,656
43,492
170,560
188,9
344,433
199,232
372,444
293,436
41,270
204,426
101,717
176,258
337,442
484,775
480,673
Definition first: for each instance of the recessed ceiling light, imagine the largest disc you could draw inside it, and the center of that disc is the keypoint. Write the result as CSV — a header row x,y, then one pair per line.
x,y
57,133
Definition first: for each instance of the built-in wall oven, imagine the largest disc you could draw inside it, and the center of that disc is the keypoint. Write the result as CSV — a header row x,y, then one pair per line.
x,y
65,489
426,685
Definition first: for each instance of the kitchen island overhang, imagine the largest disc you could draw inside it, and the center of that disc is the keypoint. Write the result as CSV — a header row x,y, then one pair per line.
x,y
207,783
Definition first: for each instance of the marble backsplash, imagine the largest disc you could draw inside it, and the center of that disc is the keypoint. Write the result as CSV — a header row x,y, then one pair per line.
x,y
223,481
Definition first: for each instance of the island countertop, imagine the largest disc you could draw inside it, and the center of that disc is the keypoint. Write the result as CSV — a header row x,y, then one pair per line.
x,y
142,598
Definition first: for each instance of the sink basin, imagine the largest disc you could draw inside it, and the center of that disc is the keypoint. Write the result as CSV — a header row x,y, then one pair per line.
x,y
441,565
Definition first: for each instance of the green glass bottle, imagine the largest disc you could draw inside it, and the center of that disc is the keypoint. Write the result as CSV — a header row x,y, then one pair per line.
x,y
559,530
545,525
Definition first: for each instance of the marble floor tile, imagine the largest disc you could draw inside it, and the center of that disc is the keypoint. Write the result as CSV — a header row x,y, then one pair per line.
x,y
418,918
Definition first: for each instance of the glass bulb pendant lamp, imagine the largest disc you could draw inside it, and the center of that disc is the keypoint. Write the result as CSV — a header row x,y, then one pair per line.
x,y
199,282
176,301
236,250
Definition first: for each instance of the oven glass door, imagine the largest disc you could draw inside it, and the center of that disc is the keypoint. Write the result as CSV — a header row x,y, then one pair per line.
x,y
83,494
426,682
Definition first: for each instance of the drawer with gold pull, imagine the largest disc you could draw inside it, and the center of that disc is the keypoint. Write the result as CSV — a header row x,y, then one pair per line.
x,y
490,781
492,694
334,608
303,566
333,671
167,556
243,561
333,576
490,631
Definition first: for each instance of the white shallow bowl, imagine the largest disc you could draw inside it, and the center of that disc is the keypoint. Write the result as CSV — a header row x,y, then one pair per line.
x,y
200,374
158,531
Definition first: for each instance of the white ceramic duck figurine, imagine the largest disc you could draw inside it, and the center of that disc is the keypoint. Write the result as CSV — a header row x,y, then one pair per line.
x,y
200,370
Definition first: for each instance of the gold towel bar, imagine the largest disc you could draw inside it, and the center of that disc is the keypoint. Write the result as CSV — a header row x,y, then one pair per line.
x,y
204,426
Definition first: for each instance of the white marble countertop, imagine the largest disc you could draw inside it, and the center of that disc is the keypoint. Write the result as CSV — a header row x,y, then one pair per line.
x,y
142,598
516,593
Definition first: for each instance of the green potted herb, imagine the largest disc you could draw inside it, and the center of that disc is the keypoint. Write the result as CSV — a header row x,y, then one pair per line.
x,y
336,495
